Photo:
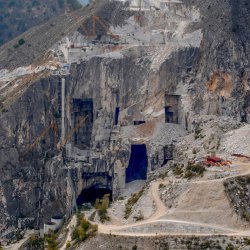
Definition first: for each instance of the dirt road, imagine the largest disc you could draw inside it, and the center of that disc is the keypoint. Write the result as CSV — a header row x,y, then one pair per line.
x,y
70,227
207,193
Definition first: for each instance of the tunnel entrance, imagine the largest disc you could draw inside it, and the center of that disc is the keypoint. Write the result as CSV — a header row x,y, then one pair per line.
x,y
138,163
117,111
168,153
169,115
90,195
138,122
83,108
172,108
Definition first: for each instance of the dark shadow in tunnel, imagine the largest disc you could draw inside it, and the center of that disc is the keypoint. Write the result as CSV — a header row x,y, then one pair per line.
x,y
90,195
169,115
172,108
168,154
138,163
136,123
83,108
117,111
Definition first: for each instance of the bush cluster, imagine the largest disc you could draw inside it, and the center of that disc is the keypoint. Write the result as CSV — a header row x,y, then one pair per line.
x,y
131,202
84,229
20,43
51,240
35,243
178,170
194,170
198,133
101,206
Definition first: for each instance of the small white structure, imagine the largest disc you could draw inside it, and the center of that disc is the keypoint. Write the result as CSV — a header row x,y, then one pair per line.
x,y
58,220
49,226
41,233
54,224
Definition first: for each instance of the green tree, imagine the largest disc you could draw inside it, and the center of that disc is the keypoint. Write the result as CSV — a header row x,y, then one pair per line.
x,y
35,243
51,240
68,245
101,206
83,230
21,41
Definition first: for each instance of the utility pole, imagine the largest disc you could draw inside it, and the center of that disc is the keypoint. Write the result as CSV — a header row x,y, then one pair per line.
x,y
140,16
65,7
63,111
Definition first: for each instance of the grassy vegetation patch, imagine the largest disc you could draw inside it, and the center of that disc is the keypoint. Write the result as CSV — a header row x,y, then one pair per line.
x,y
198,133
20,43
194,170
34,243
161,185
191,170
68,245
101,206
178,170
83,230
51,240
139,217
131,202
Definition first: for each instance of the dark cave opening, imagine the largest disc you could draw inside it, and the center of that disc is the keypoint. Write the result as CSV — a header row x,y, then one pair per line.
x,y
138,163
168,154
83,109
138,122
169,115
117,111
89,195
172,108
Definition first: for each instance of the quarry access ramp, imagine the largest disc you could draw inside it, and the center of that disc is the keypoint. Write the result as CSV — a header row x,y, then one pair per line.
x,y
160,224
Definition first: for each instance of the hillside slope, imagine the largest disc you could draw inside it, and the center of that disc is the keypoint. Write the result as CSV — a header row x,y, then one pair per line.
x,y
18,16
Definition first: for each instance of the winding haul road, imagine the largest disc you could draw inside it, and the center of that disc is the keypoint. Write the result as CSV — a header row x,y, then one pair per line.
x,y
161,210
72,224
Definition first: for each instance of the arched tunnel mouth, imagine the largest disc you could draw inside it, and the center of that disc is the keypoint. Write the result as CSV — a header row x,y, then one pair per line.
x,y
57,217
89,195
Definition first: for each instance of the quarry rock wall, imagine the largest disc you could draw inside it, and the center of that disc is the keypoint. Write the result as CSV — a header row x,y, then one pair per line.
x,y
210,75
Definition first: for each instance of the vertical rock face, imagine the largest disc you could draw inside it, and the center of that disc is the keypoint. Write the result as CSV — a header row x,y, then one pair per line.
x,y
83,109
36,13
223,70
205,63
23,169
